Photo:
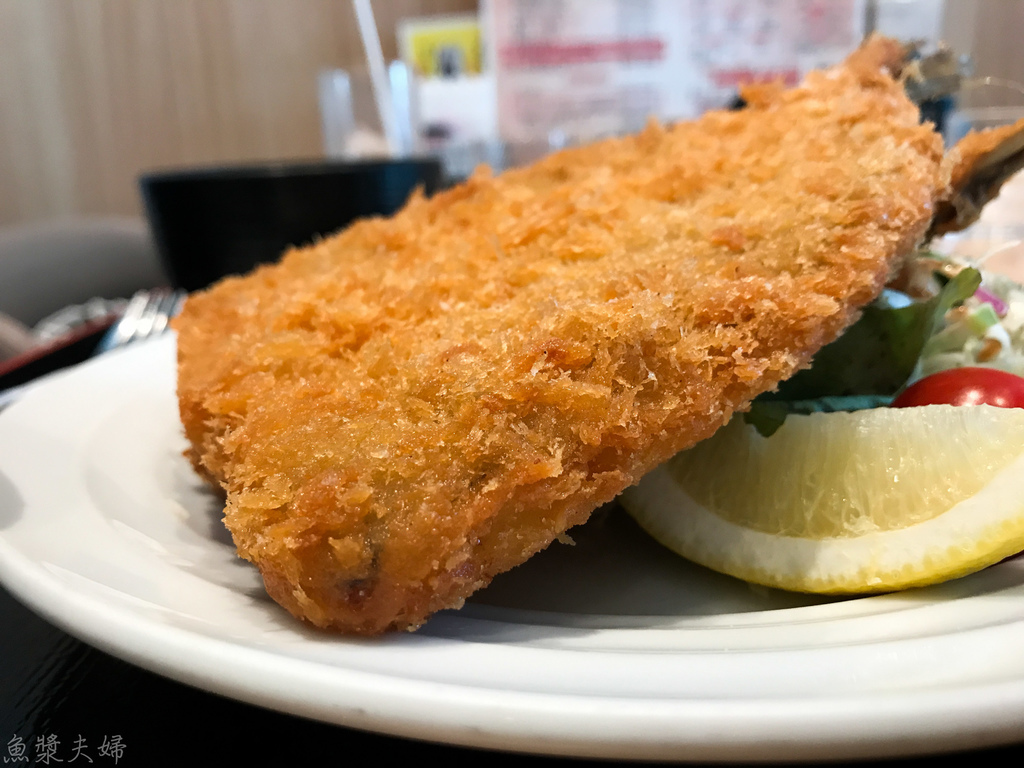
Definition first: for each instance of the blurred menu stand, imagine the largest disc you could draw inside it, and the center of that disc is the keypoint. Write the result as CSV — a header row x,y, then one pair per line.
x,y
524,77
437,98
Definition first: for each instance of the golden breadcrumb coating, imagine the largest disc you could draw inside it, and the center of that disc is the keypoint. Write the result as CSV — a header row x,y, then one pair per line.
x,y
404,410
977,167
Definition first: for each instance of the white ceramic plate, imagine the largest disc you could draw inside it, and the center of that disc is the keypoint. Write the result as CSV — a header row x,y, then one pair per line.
x,y
611,648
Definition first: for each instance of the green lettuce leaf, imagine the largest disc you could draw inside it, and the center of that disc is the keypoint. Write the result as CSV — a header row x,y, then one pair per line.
x,y
869,364
877,354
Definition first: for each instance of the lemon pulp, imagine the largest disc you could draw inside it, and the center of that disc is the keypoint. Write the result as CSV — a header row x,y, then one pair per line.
x,y
846,502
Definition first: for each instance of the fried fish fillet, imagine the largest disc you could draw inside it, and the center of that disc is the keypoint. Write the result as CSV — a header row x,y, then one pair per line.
x,y
404,410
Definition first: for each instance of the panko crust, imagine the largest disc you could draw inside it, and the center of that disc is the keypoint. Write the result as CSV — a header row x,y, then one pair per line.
x,y
977,166
404,410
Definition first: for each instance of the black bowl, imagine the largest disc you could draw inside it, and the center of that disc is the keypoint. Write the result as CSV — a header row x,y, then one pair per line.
x,y
213,222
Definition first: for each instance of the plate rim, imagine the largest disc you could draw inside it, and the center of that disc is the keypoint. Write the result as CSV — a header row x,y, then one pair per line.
x,y
801,727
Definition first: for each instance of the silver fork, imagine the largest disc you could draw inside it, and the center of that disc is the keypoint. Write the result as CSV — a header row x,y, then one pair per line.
x,y
147,314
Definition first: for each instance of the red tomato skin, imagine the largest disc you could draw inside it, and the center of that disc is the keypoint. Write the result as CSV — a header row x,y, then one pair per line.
x,y
965,386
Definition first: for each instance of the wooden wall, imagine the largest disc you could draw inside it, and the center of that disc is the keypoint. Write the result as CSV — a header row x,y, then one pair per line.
x,y
92,92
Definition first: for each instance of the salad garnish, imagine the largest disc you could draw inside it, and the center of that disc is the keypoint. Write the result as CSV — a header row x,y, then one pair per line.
x,y
937,314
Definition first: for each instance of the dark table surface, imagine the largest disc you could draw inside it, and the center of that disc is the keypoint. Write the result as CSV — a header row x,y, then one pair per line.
x,y
63,697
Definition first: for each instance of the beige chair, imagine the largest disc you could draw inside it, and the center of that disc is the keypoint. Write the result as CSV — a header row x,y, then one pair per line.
x,y
47,266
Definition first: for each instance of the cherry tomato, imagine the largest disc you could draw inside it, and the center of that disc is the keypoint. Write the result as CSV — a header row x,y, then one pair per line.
x,y
965,386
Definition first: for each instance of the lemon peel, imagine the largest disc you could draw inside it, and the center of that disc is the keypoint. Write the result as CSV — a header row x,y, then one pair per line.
x,y
753,507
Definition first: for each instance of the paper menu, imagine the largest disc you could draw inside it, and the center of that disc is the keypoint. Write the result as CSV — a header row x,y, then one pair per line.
x,y
575,70
581,69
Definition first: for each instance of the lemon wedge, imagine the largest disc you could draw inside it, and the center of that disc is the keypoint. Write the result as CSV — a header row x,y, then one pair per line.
x,y
845,503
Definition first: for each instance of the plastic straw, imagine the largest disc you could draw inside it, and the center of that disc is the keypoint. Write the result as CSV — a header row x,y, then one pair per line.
x,y
378,72
401,98
336,118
